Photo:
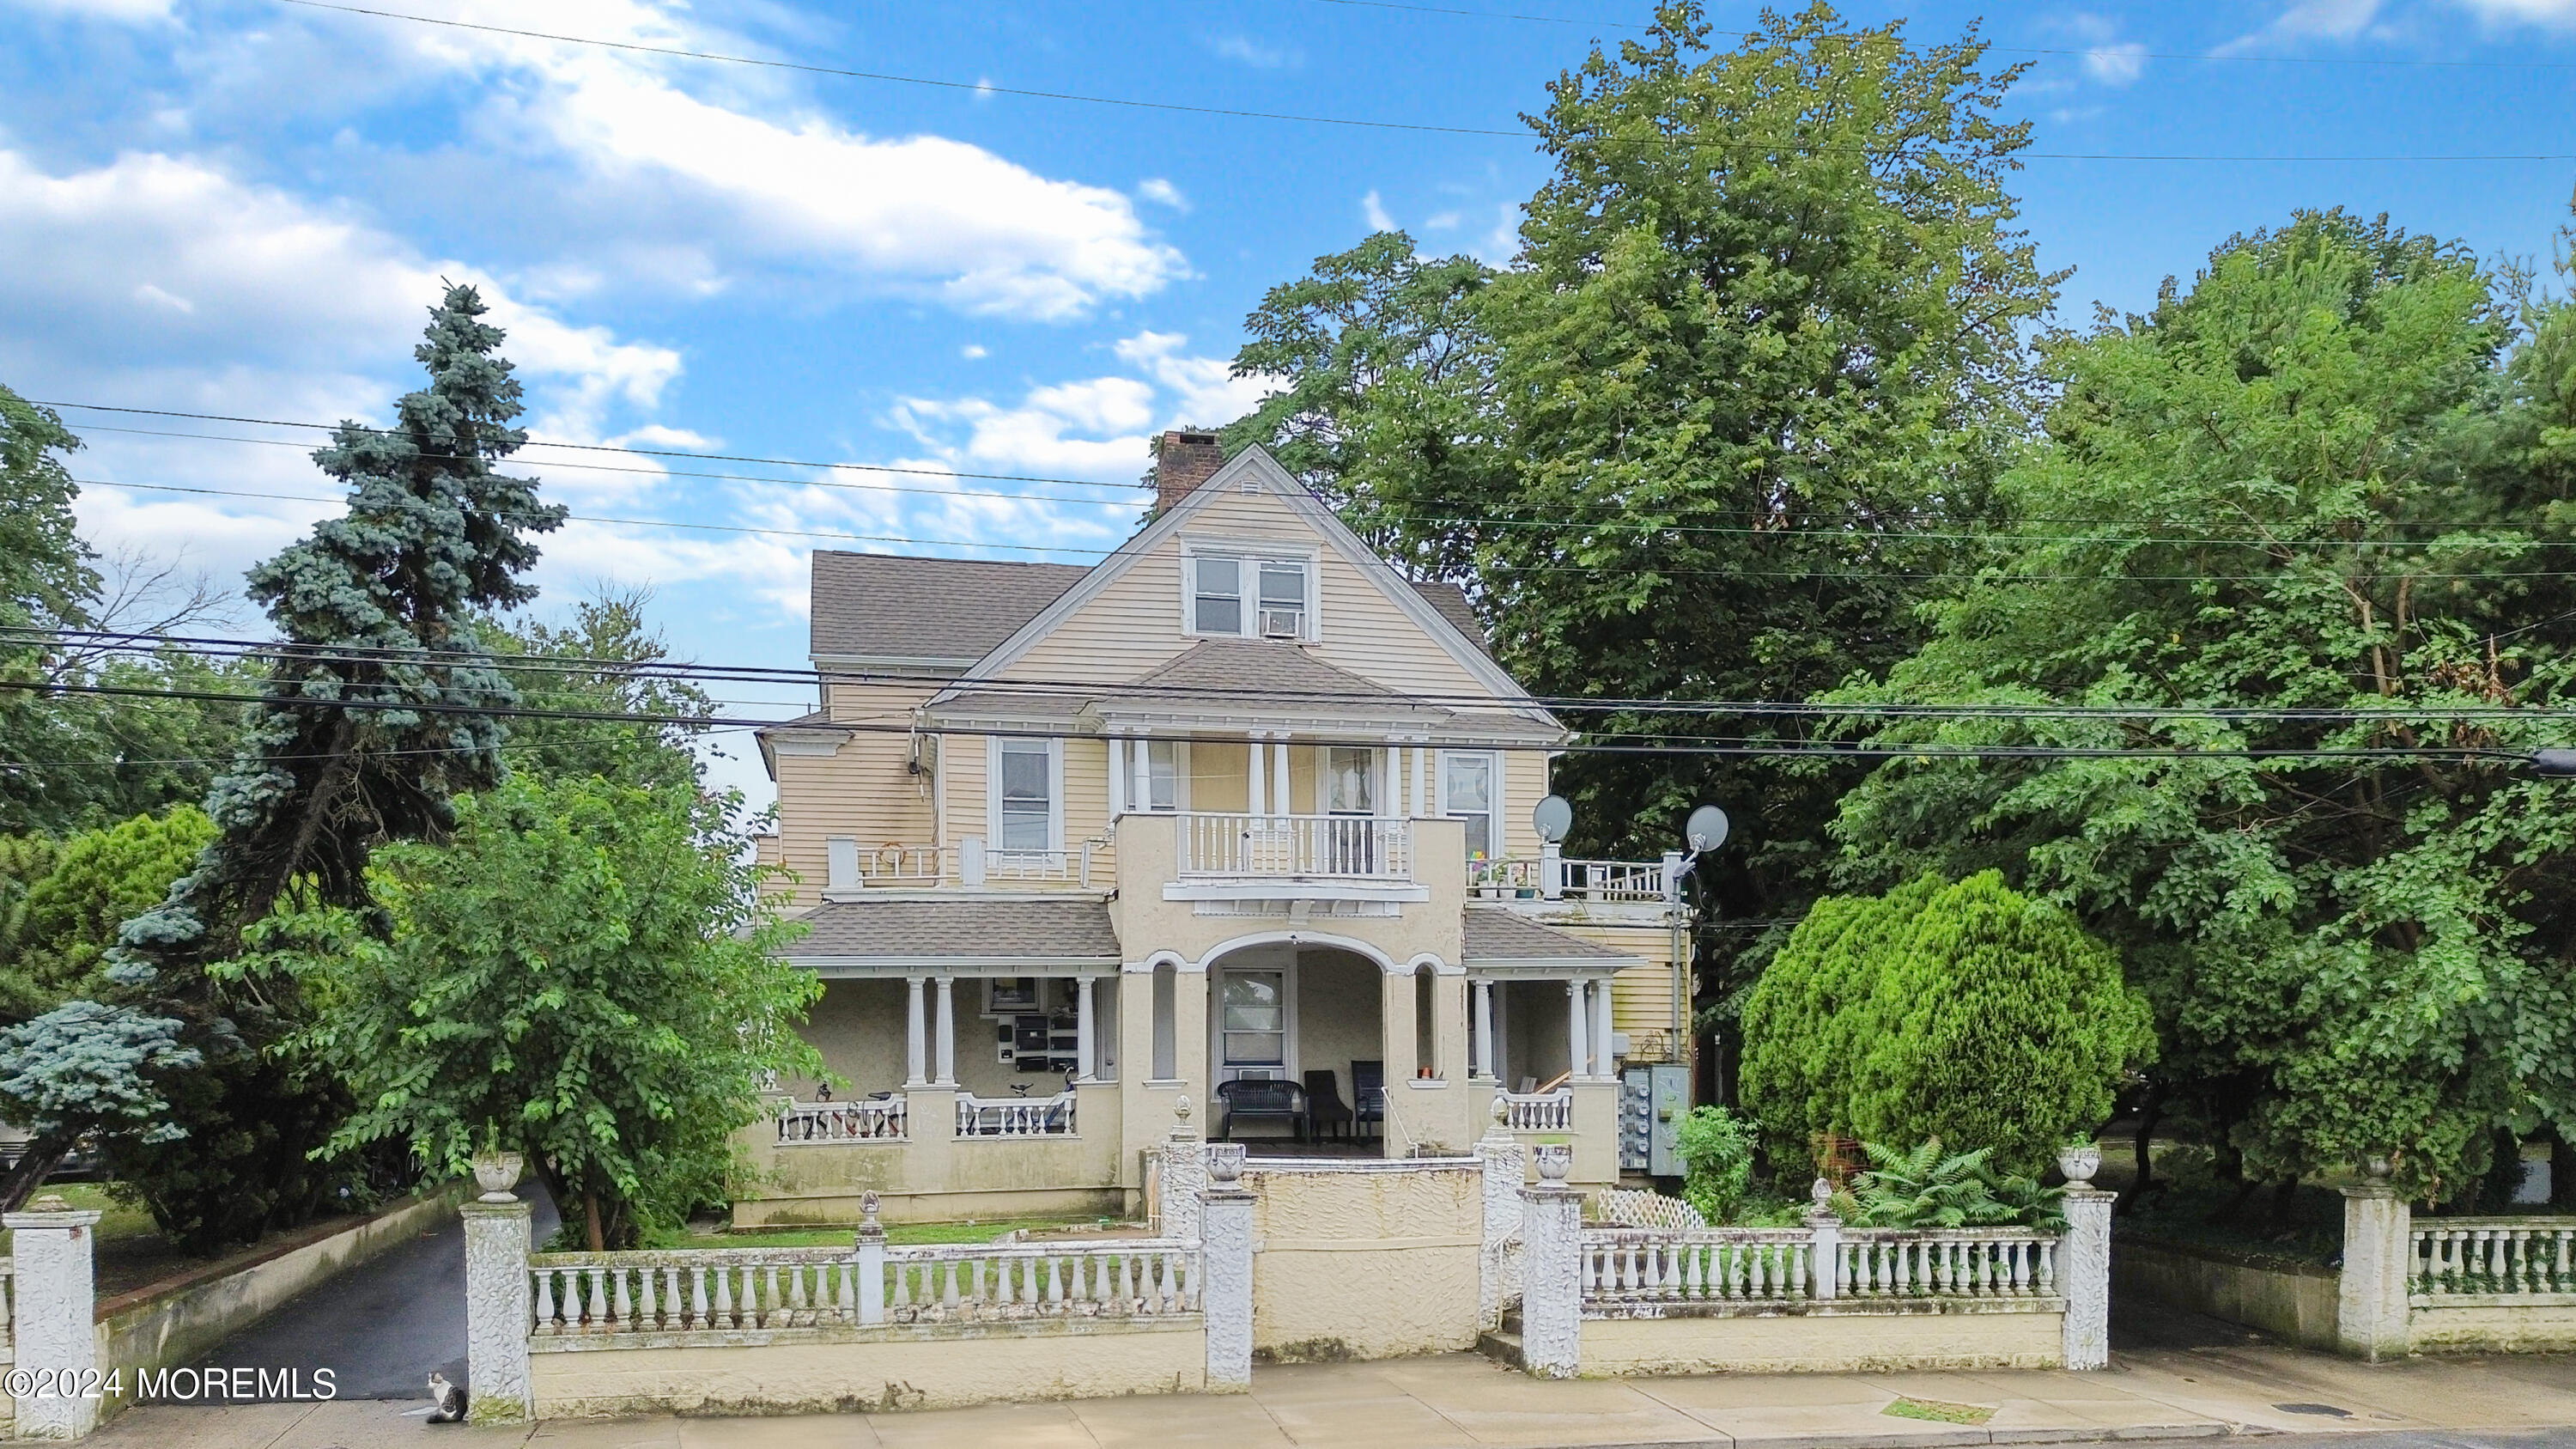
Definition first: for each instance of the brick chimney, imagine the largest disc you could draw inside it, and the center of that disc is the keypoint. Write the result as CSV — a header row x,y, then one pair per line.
x,y
1183,461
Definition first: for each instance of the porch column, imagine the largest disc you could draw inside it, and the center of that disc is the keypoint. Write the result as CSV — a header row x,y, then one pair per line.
x,y
1084,1042
1279,778
1140,788
1256,779
1418,769
1578,1041
1117,776
1604,1061
1399,1046
1484,1028
915,1036
947,1032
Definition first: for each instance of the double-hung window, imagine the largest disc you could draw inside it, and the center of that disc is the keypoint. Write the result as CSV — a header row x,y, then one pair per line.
x,y
1025,795
1246,596
1467,795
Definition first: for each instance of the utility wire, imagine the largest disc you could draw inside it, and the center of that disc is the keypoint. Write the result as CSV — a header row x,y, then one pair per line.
x,y
1365,123
1064,688
1843,525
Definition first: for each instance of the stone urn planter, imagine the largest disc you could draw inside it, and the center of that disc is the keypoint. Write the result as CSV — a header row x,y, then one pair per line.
x,y
496,1173
2079,1161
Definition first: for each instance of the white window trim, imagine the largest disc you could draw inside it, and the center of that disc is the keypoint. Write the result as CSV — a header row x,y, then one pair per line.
x,y
1251,555
993,793
1290,1067
1439,801
1180,774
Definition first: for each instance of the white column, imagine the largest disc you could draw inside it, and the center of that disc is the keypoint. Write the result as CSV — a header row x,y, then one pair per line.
x,y
1140,756
1279,778
1504,1162
1578,1041
2084,1276
1484,1028
947,1031
1256,778
1184,1176
2371,1311
871,1248
1225,1295
915,1036
1085,1036
1117,776
1824,1244
1551,1268
57,1293
496,1310
1604,1062
1419,768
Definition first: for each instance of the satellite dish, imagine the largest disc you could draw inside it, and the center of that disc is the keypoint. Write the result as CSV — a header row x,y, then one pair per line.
x,y
1707,828
1552,817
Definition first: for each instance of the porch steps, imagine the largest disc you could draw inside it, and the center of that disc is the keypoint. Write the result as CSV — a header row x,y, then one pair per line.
x,y
1503,1345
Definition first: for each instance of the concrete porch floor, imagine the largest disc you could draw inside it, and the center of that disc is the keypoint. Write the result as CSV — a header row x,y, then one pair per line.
x,y
1459,1401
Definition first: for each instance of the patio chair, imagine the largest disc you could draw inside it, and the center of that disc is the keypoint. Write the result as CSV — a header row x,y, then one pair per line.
x,y
1257,1098
1368,1097
1325,1109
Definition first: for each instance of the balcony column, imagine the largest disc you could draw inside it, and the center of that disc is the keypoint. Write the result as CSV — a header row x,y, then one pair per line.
x,y
915,1036
947,1040
1140,788
1117,776
1419,769
1604,1062
1578,1042
1484,1027
1256,780
1279,779
1085,1036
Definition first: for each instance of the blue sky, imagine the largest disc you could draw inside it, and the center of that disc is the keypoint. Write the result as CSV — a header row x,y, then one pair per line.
x,y
242,208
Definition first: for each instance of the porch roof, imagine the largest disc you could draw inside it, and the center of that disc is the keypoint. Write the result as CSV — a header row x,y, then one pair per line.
x,y
1499,938
965,934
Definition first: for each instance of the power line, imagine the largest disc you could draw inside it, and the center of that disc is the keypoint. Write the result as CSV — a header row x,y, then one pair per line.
x,y
1844,527
1364,123
1062,688
1506,746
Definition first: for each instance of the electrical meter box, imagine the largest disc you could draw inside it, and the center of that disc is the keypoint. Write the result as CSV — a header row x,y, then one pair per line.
x,y
1652,1102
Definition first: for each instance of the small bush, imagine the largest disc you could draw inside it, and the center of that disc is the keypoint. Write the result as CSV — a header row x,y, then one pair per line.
x,y
1716,1149
1923,1188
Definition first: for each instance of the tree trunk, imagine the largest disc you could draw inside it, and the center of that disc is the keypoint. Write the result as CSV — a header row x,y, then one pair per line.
x,y
590,1221
37,1163
2150,1113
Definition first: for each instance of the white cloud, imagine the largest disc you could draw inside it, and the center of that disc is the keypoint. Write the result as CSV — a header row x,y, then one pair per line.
x,y
126,12
2107,58
973,352
1257,55
2530,12
1162,192
1373,211
2310,20
1445,221
1504,242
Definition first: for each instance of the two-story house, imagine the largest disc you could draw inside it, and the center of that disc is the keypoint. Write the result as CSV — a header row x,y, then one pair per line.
x,y
1237,817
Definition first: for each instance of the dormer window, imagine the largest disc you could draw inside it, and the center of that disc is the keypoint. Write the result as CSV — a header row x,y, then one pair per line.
x,y
1244,597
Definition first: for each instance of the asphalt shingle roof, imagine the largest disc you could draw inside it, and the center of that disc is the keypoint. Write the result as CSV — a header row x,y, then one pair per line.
x,y
927,608
1216,665
966,926
1494,934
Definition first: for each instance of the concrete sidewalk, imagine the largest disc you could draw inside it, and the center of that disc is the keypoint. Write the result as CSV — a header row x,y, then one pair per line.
x,y
1459,1401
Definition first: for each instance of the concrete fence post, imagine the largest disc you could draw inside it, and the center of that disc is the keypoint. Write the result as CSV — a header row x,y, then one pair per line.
x,y
498,1385
1185,1175
1506,1164
1825,1245
1552,1268
2084,1260
870,1248
1225,1302
2371,1309
57,1331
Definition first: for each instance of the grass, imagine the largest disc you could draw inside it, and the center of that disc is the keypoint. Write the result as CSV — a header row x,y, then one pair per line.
x,y
1939,1412
904,1235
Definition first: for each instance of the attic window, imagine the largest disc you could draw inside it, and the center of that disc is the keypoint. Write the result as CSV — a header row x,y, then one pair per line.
x,y
1259,598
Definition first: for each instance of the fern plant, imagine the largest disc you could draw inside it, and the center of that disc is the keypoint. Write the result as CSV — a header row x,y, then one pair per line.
x,y
1926,1188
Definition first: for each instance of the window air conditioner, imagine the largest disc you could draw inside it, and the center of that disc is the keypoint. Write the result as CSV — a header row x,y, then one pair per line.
x,y
1283,623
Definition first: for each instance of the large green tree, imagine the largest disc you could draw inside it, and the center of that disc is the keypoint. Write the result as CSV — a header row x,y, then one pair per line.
x,y
585,973
372,719
2333,473
57,927
1709,433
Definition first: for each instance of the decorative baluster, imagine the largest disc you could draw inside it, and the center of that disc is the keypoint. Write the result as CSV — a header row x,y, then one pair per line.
x,y
1126,1282
546,1302
724,1295
2021,1270
1190,1283
675,1311
2558,1274
1055,1270
621,1305
2047,1268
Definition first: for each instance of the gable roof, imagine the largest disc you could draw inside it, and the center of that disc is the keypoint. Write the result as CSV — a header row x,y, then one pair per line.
x,y
1451,601
882,606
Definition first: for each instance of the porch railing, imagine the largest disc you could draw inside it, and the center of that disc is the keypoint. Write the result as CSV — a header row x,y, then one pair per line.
x,y
1605,881
1146,1278
2486,1257
1350,846
1539,1111
972,863
1015,1116
877,1120
1625,1267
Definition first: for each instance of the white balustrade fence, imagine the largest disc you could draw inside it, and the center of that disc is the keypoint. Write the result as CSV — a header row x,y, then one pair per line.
x,y
1015,1116
2471,1257
1947,1263
874,1120
1146,1278
1622,1267
1296,845
971,862
1539,1111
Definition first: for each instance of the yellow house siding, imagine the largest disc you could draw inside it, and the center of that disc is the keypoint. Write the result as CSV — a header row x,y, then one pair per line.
x,y
860,790
962,759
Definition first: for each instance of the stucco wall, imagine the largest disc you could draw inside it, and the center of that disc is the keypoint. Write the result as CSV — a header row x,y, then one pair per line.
x,y
1365,1259
2548,1327
1822,1338
1148,858
2297,1304
938,1177
911,1366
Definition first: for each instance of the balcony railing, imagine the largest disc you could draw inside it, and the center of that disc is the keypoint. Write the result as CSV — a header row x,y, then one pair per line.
x,y
970,863
883,1119
1350,846
1556,878
1015,1116
1539,1111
